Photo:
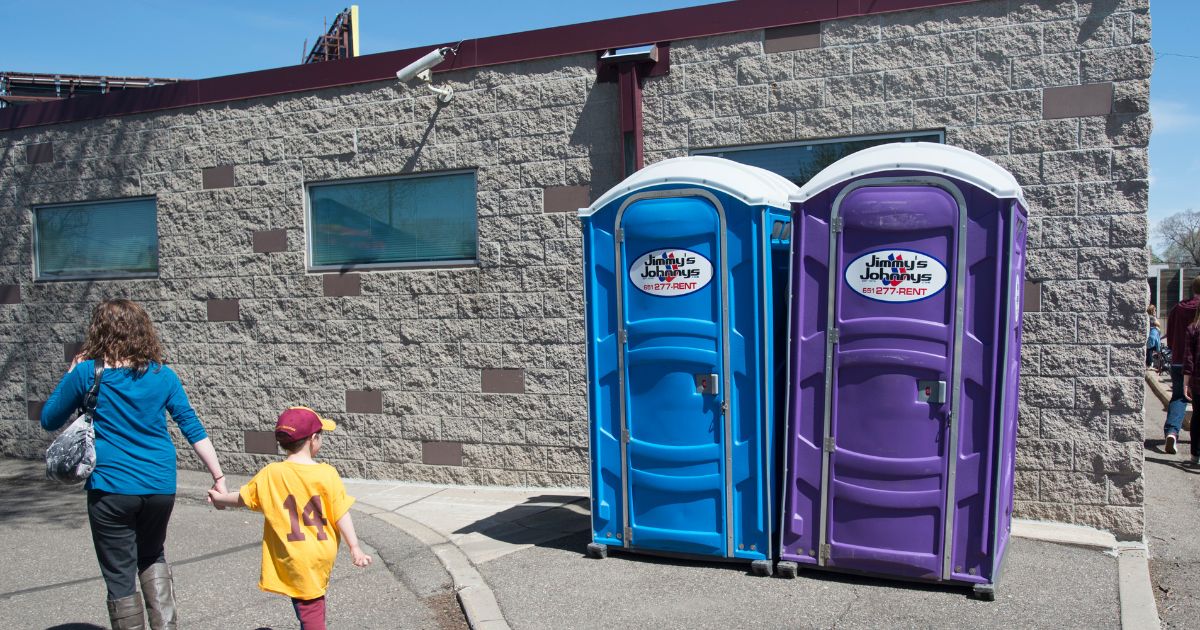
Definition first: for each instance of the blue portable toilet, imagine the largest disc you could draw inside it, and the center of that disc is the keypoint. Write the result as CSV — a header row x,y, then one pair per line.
x,y
686,267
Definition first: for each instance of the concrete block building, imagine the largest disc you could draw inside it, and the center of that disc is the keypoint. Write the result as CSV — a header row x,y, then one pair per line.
x,y
324,235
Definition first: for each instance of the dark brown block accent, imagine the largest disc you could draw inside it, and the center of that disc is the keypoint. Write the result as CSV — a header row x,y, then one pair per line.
x,y
261,442
503,381
70,349
1094,99
35,409
39,153
364,401
217,176
565,198
342,285
10,294
267,241
795,37
441,453
224,311
1033,296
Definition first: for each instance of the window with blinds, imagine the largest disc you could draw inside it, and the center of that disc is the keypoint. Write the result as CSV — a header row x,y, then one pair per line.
x,y
423,220
96,240
800,161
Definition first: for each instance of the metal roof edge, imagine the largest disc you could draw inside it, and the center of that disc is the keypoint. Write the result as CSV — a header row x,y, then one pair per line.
x,y
558,41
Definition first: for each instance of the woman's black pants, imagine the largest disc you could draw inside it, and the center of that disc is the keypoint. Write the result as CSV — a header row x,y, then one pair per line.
x,y
128,531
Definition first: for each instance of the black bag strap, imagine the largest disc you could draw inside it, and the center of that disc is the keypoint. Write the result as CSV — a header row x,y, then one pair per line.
x,y
93,394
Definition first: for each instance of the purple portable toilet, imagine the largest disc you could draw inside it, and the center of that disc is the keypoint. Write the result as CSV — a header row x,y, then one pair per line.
x,y
905,335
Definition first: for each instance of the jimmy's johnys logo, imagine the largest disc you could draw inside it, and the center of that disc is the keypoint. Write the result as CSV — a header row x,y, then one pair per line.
x,y
670,272
896,275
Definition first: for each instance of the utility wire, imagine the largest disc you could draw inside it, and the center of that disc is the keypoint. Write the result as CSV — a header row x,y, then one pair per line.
x,y
1170,54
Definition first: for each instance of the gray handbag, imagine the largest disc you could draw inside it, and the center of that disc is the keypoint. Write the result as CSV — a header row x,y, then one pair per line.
x,y
71,457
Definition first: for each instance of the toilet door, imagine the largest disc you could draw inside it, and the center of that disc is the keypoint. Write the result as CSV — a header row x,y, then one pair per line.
x,y
895,305
673,343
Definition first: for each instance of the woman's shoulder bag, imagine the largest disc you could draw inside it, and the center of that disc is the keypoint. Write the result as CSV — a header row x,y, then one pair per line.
x,y
71,457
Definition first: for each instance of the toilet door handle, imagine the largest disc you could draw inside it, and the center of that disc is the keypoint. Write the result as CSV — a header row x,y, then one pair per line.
x,y
707,384
933,392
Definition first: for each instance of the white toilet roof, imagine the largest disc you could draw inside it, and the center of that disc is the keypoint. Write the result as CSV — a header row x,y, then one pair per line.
x,y
752,185
939,159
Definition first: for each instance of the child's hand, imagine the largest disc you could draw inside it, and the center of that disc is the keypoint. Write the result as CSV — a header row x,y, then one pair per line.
x,y
360,559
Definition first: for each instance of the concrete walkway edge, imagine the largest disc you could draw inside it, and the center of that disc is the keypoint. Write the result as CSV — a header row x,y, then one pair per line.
x,y
474,595
1162,396
1064,534
1138,608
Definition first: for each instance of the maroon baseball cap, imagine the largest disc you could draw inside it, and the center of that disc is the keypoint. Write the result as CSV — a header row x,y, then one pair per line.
x,y
297,423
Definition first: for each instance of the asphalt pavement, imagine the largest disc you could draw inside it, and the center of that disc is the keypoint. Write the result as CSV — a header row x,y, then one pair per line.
x,y
50,578
1172,517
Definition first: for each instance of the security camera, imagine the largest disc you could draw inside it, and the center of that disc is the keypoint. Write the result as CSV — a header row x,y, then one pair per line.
x,y
422,70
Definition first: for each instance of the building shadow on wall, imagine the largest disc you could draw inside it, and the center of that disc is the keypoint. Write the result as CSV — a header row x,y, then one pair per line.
x,y
598,129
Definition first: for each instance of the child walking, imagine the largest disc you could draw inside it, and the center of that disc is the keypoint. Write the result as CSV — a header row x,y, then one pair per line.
x,y
305,512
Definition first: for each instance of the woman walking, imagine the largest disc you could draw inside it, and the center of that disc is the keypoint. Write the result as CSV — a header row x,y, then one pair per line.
x,y
131,493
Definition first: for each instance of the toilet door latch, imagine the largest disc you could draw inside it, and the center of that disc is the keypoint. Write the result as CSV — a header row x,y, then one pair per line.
x,y
931,392
706,384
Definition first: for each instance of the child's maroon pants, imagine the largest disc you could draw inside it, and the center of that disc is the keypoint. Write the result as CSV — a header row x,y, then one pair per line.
x,y
310,612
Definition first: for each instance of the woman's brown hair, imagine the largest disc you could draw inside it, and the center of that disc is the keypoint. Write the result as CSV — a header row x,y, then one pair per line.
x,y
121,331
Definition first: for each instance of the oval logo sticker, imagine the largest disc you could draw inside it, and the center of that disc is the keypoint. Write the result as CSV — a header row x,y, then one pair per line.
x,y
896,275
670,272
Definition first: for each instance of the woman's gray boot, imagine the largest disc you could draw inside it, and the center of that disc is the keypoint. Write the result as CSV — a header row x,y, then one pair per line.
x,y
159,590
127,613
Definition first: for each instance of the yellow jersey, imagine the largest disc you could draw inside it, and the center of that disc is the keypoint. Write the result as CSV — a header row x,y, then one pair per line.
x,y
301,504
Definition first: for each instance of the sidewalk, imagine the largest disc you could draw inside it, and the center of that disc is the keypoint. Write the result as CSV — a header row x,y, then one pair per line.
x,y
518,558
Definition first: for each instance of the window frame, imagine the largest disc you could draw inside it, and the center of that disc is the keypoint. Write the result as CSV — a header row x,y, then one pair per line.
x,y
899,135
384,266
105,275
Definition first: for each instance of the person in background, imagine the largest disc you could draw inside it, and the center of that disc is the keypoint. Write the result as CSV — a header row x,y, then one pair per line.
x,y
131,492
1178,320
1154,338
1191,361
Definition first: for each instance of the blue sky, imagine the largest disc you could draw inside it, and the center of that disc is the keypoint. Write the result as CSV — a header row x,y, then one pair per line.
x,y
1175,108
217,37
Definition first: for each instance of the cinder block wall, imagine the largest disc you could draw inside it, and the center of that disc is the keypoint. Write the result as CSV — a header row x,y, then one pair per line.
x,y
469,375
476,375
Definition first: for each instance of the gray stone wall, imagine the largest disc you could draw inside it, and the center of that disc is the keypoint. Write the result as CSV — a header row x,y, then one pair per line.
x,y
476,375
466,375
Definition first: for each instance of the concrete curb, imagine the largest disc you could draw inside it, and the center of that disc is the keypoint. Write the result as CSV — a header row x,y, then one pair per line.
x,y
474,595
1138,608
1163,396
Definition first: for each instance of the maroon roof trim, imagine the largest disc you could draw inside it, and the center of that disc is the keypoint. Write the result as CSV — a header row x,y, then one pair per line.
x,y
712,19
